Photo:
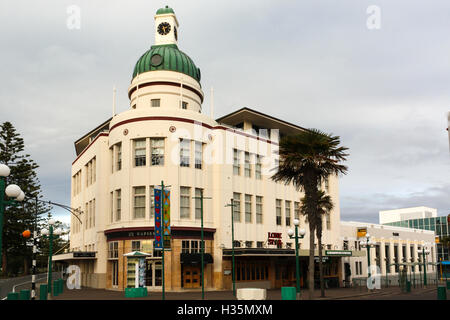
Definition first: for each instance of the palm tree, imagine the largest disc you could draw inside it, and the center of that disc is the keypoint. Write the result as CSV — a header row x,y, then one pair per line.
x,y
306,159
324,206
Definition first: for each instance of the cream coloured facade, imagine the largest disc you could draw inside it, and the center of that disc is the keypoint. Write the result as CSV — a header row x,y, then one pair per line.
x,y
395,248
165,137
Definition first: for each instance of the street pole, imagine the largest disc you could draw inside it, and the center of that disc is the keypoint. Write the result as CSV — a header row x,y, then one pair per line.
x,y
368,260
424,268
163,270
231,204
202,242
50,251
202,249
33,266
297,264
2,211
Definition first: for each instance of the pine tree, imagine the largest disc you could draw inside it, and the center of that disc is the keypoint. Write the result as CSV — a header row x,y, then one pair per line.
x,y
16,253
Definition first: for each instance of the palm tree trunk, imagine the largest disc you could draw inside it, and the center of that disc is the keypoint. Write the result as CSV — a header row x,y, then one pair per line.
x,y
311,262
322,285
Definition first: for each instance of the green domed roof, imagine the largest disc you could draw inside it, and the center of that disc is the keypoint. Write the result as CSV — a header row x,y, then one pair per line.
x,y
166,57
165,10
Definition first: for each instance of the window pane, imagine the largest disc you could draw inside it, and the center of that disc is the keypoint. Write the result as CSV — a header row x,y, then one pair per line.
x,y
198,201
259,209
248,208
237,207
139,152
198,154
157,151
185,152
184,202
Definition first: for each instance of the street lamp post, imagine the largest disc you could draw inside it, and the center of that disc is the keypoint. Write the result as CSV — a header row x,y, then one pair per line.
x,y
233,277
202,242
368,243
424,261
12,191
50,233
298,235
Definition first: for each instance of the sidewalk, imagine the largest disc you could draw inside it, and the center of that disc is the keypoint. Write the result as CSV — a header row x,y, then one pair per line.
x,y
272,294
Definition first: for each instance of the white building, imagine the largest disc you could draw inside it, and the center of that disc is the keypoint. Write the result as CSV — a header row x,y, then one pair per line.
x,y
395,248
395,215
165,137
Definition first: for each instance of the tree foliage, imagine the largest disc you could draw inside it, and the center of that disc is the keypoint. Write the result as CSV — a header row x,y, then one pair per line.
x,y
306,160
16,253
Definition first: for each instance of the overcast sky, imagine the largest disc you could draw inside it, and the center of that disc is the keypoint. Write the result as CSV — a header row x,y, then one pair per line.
x,y
384,91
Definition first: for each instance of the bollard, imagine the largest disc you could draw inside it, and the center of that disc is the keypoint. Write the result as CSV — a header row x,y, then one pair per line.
x,y
43,292
25,295
13,296
441,293
55,288
288,293
61,287
408,286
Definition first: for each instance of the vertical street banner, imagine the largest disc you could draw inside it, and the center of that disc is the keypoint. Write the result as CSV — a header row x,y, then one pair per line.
x,y
158,221
166,218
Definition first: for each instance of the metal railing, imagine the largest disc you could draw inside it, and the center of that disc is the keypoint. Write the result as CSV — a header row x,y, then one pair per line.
x,y
14,284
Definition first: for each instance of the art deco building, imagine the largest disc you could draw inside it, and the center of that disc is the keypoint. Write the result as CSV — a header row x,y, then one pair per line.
x,y
165,137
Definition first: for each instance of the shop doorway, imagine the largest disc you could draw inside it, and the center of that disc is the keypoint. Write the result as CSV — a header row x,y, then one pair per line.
x,y
153,274
191,277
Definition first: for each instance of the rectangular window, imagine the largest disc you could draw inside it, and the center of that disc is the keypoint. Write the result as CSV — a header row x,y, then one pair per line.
x,y
198,154
345,245
113,252
195,246
287,210
258,168
260,244
237,207
278,212
111,203
185,247
247,166
93,212
185,200
139,203
118,156
152,201
198,203
157,151
236,162
184,105
185,152
156,103
237,244
135,246
118,205
248,208
248,244
259,210
139,152
297,210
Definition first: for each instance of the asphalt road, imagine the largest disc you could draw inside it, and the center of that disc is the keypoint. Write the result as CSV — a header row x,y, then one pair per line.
x,y
7,285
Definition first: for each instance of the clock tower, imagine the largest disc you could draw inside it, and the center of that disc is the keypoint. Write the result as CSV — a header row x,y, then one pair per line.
x,y
166,27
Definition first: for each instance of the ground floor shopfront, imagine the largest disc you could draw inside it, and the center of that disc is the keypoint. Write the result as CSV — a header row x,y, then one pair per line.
x,y
268,268
276,268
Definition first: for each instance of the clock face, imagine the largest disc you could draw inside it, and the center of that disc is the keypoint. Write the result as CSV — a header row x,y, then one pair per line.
x,y
175,33
164,28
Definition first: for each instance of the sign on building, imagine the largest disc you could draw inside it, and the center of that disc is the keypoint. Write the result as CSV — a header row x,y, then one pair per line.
x,y
361,232
158,220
